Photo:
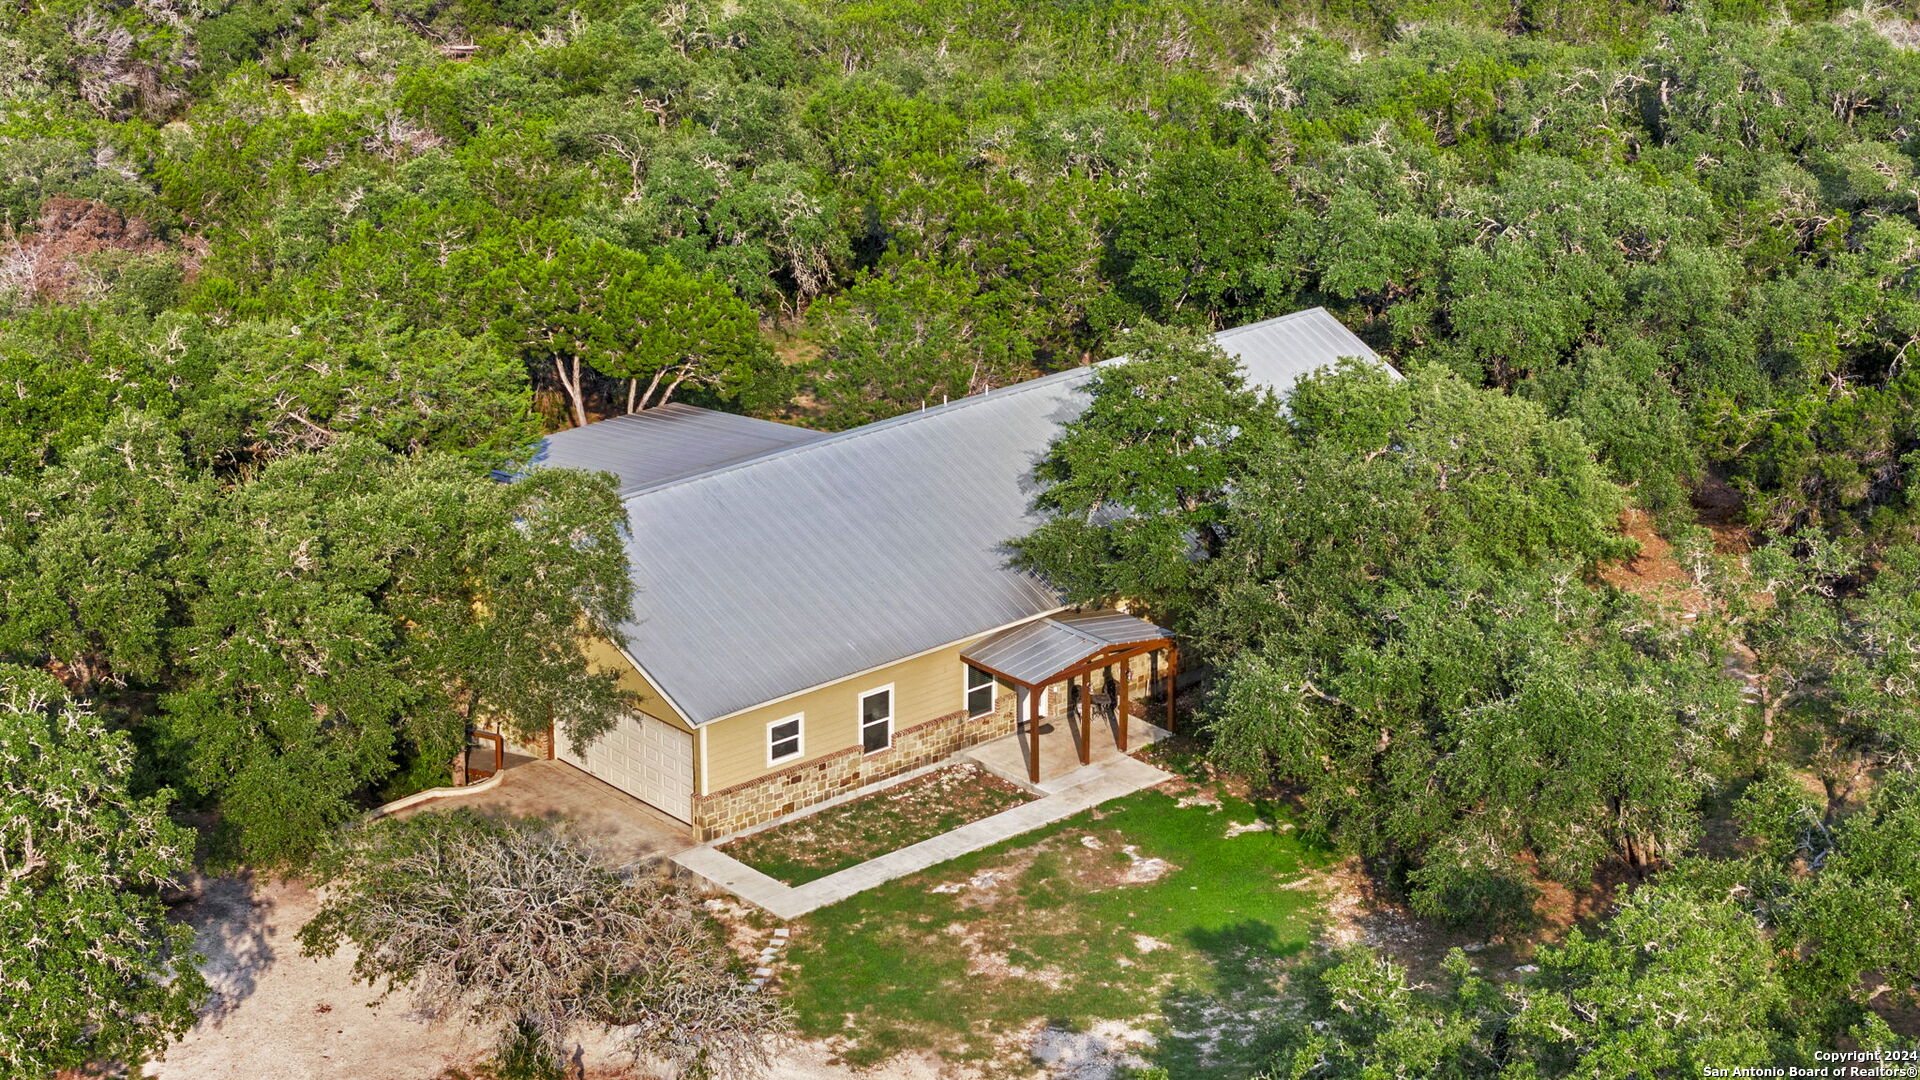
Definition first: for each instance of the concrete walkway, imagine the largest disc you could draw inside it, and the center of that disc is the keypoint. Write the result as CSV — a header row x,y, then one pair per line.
x,y
1078,790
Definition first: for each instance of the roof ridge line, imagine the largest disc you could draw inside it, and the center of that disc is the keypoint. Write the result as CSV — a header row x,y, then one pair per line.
x,y
944,408
837,437
1055,620
1288,317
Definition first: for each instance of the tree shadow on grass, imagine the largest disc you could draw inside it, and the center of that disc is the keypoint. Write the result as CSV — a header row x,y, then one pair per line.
x,y
1222,1024
231,934
1280,810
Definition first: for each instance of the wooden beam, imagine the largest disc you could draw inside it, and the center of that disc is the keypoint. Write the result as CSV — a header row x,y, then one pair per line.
x,y
1124,701
998,674
1033,732
1173,682
1086,719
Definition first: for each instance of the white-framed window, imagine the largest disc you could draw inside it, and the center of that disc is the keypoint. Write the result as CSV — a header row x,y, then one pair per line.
x,y
784,739
980,692
876,719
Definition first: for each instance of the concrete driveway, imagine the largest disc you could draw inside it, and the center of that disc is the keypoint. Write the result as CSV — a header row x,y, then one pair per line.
x,y
621,826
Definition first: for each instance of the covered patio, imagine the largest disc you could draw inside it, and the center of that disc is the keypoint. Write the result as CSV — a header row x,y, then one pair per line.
x,y
1073,649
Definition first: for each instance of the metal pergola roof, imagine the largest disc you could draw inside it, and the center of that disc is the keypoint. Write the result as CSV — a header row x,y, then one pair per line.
x,y
1050,649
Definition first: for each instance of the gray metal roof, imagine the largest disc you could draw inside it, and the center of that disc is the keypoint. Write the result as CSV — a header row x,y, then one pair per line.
x,y
658,446
1278,351
1037,651
759,579
1110,628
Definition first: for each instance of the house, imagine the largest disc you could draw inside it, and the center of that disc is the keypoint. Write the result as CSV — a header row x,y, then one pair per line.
x,y
814,612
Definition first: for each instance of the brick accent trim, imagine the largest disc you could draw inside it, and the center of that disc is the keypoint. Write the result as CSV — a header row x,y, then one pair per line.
x,y
773,777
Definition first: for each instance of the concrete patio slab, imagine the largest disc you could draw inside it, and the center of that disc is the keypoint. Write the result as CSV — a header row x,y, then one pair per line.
x,y
1006,757
1064,796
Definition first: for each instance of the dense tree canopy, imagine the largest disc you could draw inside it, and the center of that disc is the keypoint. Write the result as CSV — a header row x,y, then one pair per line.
x,y
283,284
1388,579
342,611
94,969
1677,982
1594,206
1141,478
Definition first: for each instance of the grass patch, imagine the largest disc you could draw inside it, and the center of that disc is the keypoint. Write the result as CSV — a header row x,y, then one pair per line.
x,y
849,834
1174,913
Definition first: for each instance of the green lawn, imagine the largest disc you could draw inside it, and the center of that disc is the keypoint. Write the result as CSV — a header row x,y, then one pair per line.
x,y
1054,925
831,840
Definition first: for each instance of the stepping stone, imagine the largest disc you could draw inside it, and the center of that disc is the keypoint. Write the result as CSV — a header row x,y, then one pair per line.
x,y
763,973
781,934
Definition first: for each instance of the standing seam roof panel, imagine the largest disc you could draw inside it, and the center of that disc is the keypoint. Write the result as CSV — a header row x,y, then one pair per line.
x,y
668,443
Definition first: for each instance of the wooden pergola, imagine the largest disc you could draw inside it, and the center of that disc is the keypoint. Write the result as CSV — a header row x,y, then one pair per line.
x,y
1069,648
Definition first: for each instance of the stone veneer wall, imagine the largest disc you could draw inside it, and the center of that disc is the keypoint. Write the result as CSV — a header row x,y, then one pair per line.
x,y
757,802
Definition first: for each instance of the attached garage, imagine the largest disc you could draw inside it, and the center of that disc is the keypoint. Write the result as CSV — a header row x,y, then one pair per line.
x,y
649,759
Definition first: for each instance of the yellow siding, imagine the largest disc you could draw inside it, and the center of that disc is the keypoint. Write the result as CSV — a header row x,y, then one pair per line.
x,y
649,700
924,688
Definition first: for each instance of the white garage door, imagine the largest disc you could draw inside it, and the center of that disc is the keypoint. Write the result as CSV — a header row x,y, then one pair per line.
x,y
644,757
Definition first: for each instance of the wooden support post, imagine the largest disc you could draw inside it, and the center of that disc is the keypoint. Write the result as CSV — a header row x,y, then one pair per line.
x,y
1173,682
1033,732
1086,719
1124,702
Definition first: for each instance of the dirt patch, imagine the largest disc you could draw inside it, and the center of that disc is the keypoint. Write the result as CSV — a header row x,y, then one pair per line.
x,y
277,1013
821,1060
1101,861
1147,944
985,960
984,881
853,832
994,885
1720,508
1655,572
1105,1050
1559,908
1358,912
745,925
1141,869
1358,915
1261,826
